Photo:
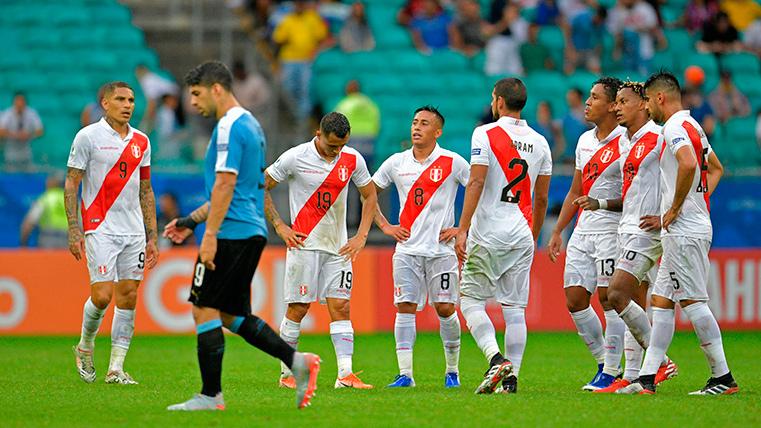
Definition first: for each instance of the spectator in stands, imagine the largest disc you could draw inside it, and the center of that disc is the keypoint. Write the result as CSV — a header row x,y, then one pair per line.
x,y
49,215
300,36
430,28
410,10
251,89
170,132
19,125
585,45
92,111
364,117
469,31
719,36
741,12
503,49
154,87
695,102
727,101
573,123
356,35
550,128
334,13
534,55
547,13
698,13
634,23
169,209
752,38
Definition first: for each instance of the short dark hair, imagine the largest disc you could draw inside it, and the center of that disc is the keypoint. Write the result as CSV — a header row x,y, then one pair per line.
x,y
611,85
209,73
109,88
335,123
636,87
431,109
664,81
513,91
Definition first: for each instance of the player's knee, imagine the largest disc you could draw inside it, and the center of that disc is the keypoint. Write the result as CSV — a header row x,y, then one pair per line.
x,y
444,309
617,299
100,298
297,311
340,309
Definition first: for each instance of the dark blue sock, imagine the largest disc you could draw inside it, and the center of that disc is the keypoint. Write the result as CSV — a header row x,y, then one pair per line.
x,y
211,349
256,332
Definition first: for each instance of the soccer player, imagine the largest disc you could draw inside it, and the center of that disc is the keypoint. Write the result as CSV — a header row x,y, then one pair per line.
x,y
112,161
232,243
318,261
593,250
690,172
510,163
425,265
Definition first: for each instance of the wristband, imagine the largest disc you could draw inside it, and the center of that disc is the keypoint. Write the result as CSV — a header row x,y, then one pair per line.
x,y
603,204
187,222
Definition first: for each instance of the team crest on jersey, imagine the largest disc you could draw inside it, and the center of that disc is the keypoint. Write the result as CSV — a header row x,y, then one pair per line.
x,y
639,151
606,156
136,151
102,269
398,291
343,173
303,290
436,174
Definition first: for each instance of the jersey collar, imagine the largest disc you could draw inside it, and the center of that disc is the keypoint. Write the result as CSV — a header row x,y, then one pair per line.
x,y
507,120
434,155
618,130
130,131
313,149
647,127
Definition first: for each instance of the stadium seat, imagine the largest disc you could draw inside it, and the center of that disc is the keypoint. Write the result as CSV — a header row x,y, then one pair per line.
x,y
111,13
552,37
679,41
408,61
327,60
581,79
740,63
381,83
392,38
448,61
366,62
705,61
663,60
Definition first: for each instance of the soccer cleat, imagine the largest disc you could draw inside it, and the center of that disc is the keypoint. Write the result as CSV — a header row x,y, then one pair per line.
x,y
666,371
493,377
451,380
402,381
351,381
85,365
287,382
594,379
613,387
305,369
200,402
603,380
121,377
509,386
642,386
724,385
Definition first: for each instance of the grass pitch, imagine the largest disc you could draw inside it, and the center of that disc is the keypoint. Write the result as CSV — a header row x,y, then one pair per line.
x,y
40,387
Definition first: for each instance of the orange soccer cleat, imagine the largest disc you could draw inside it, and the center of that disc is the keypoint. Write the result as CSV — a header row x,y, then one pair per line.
x,y
613,387
287,382
666,371
351,381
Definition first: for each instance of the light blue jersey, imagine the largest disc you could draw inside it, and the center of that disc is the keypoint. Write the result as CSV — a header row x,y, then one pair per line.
x,y
238,146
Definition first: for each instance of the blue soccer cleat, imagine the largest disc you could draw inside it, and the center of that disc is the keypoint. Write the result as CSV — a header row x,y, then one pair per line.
x,y
600,381
594,379
451,380
402,381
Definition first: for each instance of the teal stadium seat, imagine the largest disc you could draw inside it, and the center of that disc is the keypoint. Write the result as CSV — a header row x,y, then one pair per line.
x,y
705,61
553,39
740,63
679,41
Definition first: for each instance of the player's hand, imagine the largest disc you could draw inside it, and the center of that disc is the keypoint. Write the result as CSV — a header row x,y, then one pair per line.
x,y
175,233
399,233
446,235
553,247
353,247
151,254
76,242
670,217
461,245
587,203
208,250
291,238
649,223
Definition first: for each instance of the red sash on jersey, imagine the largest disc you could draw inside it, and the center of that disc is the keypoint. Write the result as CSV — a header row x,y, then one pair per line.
x,y
502,146
315,207
429,181
637,154
702,162
601,160
114,183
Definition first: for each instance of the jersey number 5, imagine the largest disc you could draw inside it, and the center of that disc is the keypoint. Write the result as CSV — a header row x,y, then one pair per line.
x,y
506,197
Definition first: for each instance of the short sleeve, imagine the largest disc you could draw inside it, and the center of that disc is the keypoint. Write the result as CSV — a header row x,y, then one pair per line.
x,y
361,176
282,168
578,162
479,148
676,138
230,144
35,121
79,156
462,170
147,155
382,177
545,168
4,119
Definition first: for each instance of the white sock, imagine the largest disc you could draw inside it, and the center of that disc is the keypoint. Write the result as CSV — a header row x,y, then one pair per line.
x,y
590,329
515,335
342,335
122,330
405,334
633,355
639,325
289,332
449,329
660,339
480,326
708,332
91,319
615,328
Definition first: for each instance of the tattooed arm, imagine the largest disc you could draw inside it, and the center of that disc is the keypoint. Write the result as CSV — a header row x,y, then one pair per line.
x,y
291,238
180,228
148,206
76,238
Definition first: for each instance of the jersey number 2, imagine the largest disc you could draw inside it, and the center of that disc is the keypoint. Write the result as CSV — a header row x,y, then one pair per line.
x,y
506,197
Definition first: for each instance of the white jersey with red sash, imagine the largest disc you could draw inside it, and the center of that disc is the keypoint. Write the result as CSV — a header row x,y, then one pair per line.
x,y
641,174
681,130
111,184
515,155
427,192
317,192
599,163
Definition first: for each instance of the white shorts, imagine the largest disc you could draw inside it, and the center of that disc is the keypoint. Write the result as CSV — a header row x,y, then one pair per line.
x,y
639,254
590,260
502,274
313,275
683,274
421,278
115,257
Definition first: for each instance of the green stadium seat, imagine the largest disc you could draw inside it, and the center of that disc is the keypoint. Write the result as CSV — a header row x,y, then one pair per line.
x,y
111,13
16,61
663,60
55,60
326,61
326,86
552,37
381,83
366,62
465,83
581,79
28,81
408,61
740,63
546,84
39,39
448,61
67,16
671,14
393,38
679,41
705,61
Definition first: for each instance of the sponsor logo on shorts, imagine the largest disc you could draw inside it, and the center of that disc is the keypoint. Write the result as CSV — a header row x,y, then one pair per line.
x,y
303,289
102,269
